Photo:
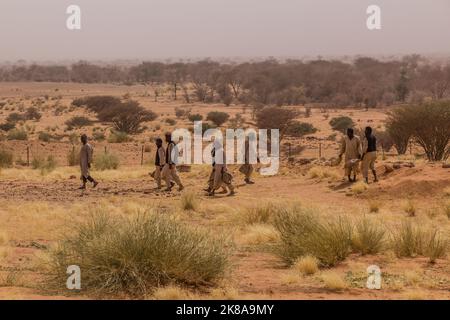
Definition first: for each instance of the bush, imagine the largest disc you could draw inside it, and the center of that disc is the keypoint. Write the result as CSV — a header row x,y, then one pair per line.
x,y
106,161
275,118
217,117
260,214
17,134
7,126
45,136
195,117
6,158
299,129
129,116
136,255
78,122
303,234
407,241
368,237
15,117
341,123
45,164
96,103
99,136
171,122
427,124
410,241
33,114
73,157
118,137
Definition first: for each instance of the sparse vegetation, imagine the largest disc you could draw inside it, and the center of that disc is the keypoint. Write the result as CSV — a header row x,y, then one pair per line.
x,y
217,117
303,233
307,265
17,134
341,123
78,122
136,255
189,201
106,161
368,237
45,164
118,137
6,158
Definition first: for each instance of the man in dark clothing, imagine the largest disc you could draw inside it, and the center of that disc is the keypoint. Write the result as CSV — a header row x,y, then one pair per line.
x,y
369,155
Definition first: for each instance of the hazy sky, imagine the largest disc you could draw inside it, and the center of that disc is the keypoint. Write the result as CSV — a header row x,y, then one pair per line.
x,y
146,29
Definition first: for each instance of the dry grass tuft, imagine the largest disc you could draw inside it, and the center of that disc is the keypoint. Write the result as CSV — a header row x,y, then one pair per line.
x,y
410,208
359,187
189,201
303,233
368,237
135,255
307,265
257,234
324,173
260,214
410,241
374,206
333,281
171,293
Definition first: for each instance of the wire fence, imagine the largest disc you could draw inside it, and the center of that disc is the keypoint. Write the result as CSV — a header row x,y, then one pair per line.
x,y
135,153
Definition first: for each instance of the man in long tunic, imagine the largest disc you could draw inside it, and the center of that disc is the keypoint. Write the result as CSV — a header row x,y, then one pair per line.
x,y
86,153
247,168
351,147
169,171
216,179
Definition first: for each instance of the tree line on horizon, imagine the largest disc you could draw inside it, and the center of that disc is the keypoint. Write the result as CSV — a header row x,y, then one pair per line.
x,y
365,82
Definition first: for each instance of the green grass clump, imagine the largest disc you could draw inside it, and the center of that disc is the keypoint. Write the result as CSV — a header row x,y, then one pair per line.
x,y
136,255
303,233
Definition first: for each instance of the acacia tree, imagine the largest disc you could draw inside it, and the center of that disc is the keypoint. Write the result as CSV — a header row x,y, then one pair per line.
x,y
427,124
129,117
279,118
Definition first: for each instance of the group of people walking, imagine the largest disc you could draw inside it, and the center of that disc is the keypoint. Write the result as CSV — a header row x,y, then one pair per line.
x,y
165,167
356,152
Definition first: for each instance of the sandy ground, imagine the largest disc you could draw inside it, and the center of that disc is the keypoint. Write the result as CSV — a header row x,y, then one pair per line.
x,y
35,208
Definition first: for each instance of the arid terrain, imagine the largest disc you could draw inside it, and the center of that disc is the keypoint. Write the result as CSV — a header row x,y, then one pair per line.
x,y
38,206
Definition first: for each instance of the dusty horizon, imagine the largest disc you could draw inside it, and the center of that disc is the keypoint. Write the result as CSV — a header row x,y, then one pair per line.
x,y
160,30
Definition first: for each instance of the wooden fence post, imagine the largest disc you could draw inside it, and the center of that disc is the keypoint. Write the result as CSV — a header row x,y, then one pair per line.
x,y
142,155
320,150
28,156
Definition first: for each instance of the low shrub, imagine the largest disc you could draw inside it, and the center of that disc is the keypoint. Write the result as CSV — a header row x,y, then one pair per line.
x,y
368,237
78,122
341,123
106,161
6,158
118,137
45,164
303,233
17,134
136,255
